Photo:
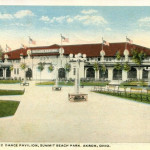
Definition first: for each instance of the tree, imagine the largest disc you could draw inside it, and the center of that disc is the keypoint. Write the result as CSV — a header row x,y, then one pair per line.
x,y
103,69
118,65
67,68
138,57
51,67
41,68
96,68
23,66
1,52
126,67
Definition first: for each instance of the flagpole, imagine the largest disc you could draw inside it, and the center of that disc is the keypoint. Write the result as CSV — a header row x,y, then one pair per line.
x,y
102,43
126,43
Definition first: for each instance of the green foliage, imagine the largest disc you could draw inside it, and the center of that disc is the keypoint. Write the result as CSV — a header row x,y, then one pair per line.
x,y
118,56
96,66
23,66
103,68
9,81
137,56
8,108
126,67
51,67
118,66
67,67
11,68
1,52
41,66
11,92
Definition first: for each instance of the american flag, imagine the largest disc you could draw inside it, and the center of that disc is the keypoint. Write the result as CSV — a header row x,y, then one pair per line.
x,y
23,46
8,48
105,43
129,40
64,39
32,41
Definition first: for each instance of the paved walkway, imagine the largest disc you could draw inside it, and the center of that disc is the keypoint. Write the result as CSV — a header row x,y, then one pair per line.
x,y
47,116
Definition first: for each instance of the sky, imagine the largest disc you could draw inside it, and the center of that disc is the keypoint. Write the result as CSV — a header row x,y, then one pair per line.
x,y
81,24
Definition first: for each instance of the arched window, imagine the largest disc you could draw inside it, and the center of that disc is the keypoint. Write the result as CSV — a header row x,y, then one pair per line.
x,y
1,72
61,73
8,72
90,73
132,74
145,74
103,75
29,73
117,74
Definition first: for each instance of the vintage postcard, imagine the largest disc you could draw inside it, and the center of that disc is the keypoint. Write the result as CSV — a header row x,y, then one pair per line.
x,y
74,77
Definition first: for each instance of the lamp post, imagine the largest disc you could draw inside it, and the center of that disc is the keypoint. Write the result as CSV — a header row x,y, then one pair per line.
x,y
56,87
77,95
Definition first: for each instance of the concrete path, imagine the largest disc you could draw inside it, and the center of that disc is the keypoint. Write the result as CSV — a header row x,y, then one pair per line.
x,y
47,116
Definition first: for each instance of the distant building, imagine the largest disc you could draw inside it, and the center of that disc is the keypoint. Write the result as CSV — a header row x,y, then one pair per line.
x,y
51,55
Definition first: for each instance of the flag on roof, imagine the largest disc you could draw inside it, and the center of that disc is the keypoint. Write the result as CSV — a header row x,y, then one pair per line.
x,y
23,46
105,43
64,39
31,41
8,48
129,40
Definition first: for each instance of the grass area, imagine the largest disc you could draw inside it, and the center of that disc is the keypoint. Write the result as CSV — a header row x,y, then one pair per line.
x,y
8,108
94,83
134,83
53,83
11,92
9,81
133,96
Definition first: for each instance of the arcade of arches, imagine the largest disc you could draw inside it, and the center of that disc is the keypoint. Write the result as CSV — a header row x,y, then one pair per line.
x,y
133,74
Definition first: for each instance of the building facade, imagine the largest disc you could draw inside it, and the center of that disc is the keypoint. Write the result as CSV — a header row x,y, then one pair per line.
x,y
58,57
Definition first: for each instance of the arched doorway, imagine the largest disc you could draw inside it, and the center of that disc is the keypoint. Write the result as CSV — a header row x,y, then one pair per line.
x,y
29,73
132,74
145,74
90,73
1,72
103,75
61,73
117,74
8,72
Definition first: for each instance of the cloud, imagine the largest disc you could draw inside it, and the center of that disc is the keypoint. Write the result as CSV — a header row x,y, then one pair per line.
x,y
90,19
58,19
108,29
144,22
23,13
90,11
69,20
84,19
45,18
6,16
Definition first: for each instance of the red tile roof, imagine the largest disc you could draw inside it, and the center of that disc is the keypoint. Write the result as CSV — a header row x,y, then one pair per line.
x,y
90,50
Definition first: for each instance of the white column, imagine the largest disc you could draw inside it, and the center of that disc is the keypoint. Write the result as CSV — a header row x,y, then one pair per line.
x,y
96,75
4,73
139,73
85,72
124,75
110,73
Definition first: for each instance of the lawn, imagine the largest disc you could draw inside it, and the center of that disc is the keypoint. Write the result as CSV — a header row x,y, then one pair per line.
x,y
133,96
94,83
11,92
8,108
9,81
134,83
